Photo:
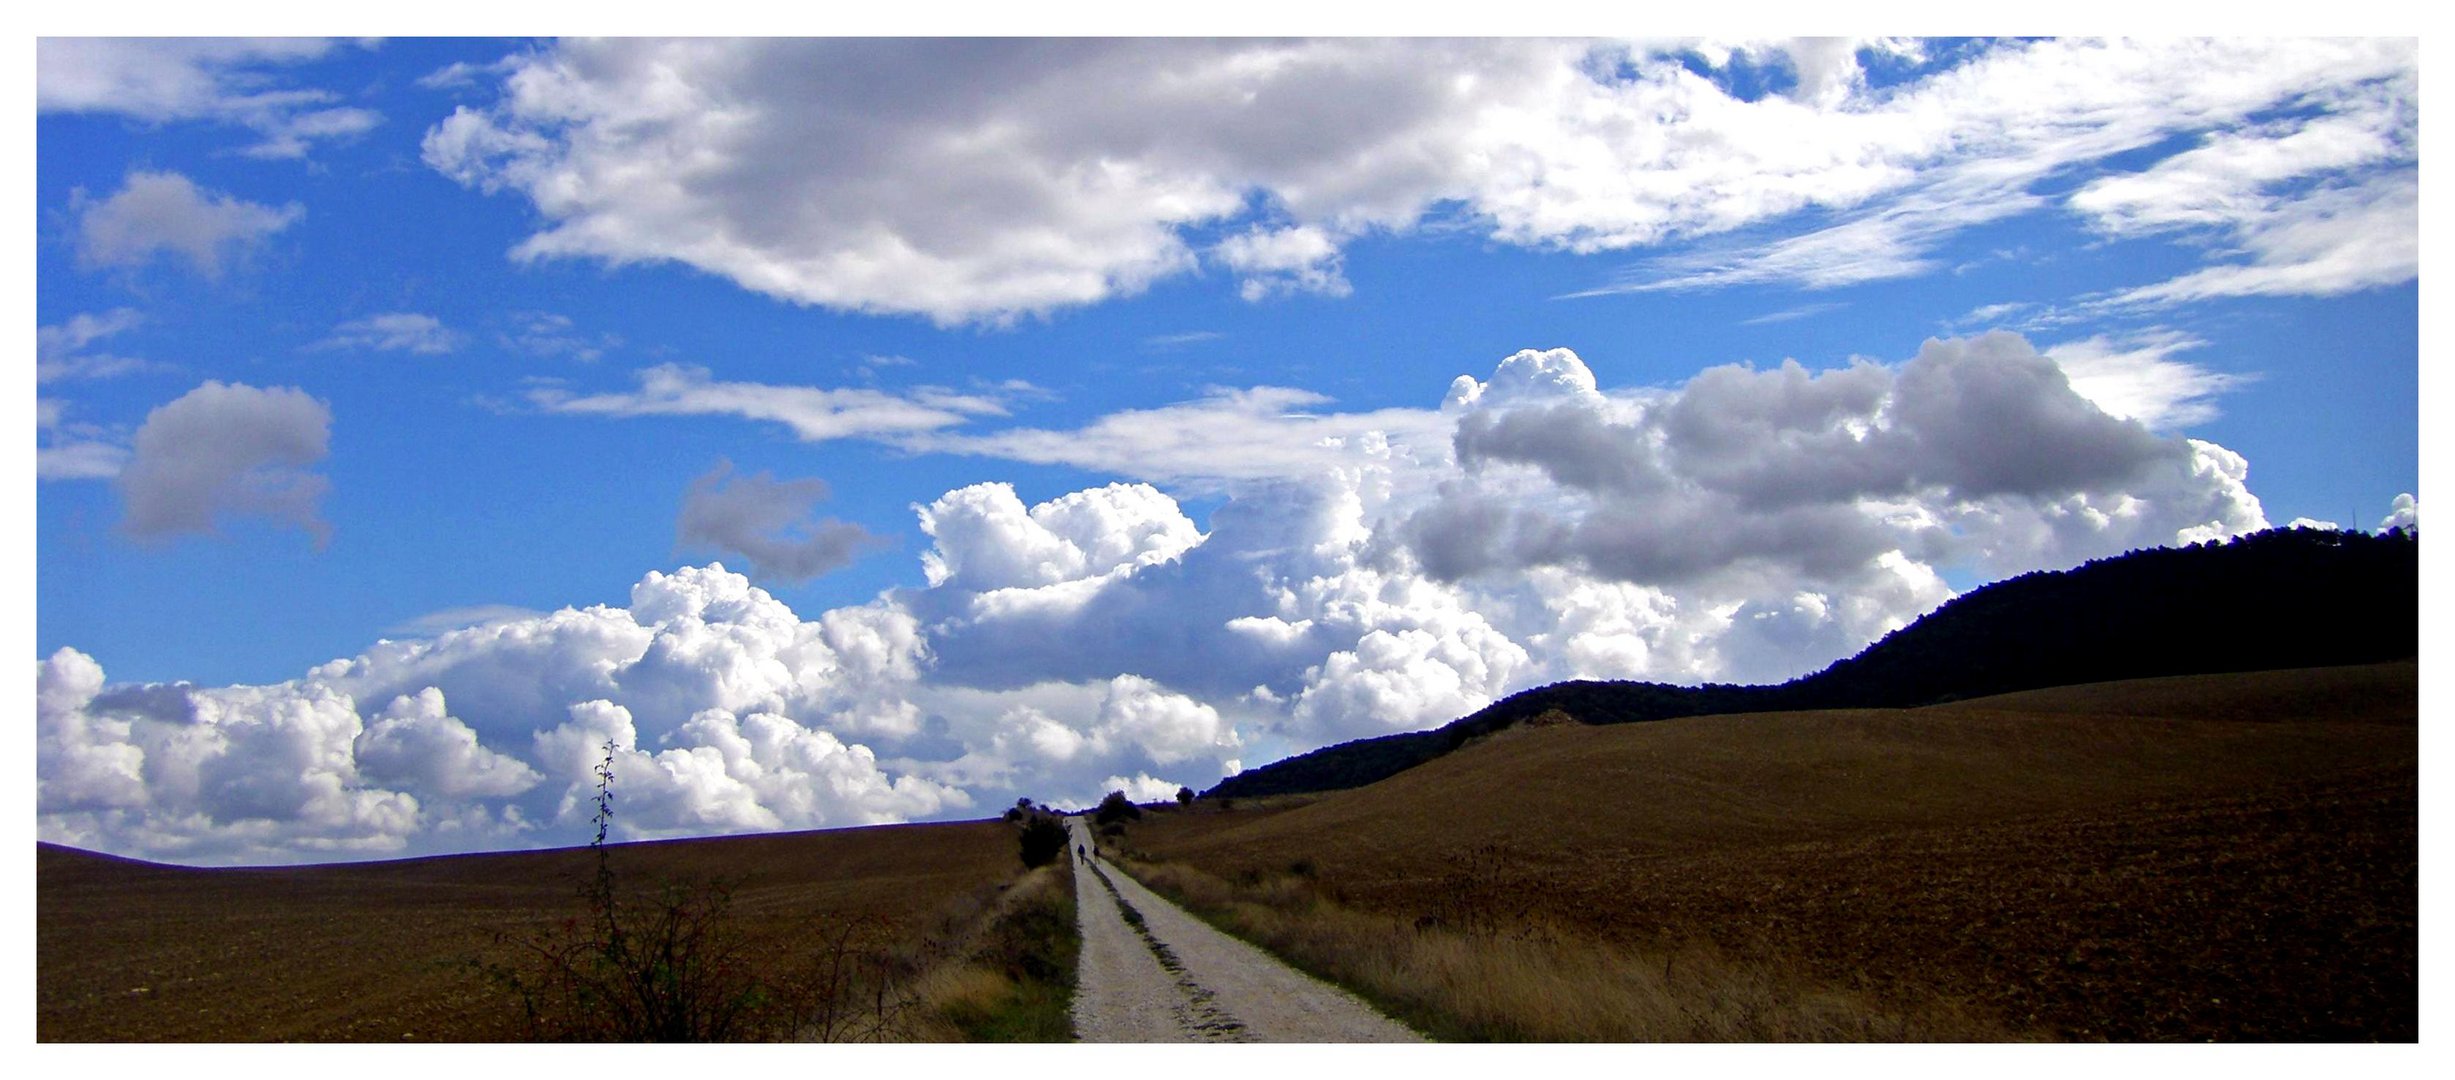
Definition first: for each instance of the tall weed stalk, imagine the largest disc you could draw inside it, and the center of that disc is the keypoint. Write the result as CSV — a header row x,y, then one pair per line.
x,y
667,964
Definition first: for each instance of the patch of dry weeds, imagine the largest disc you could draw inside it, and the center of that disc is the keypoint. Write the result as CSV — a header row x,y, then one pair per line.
x,y
1540,981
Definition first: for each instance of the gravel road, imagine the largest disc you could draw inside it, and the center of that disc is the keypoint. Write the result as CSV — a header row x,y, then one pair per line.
x,y
1175,979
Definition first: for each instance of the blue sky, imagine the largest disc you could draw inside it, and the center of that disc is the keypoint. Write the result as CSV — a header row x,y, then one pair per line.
x,y
1071,415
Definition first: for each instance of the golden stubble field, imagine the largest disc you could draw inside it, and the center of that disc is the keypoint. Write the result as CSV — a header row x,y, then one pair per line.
x,y
129,951
2220,857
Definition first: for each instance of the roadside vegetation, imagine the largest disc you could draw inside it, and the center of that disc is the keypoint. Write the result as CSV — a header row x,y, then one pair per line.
x,y
387,952
1491,977
1040,833
1013,979
664,961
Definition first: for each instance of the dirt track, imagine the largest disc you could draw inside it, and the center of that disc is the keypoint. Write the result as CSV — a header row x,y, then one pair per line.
x,y
1173,978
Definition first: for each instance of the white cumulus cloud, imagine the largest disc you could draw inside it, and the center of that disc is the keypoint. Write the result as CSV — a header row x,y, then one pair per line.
x,y
1300,259
727,710
1789,474
1751,524
416,746
2405,514
987,540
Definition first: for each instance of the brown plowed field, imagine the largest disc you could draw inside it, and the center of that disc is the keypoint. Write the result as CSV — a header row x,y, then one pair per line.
x,y
2221,857
131,951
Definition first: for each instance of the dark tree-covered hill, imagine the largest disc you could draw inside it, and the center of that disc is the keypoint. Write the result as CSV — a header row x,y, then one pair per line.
x,y
2283,598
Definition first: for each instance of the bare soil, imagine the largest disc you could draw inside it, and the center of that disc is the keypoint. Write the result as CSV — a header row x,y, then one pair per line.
x,y
2220,857
381,952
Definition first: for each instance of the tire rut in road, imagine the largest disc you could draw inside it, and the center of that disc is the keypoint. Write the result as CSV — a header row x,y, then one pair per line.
x,y
1200,1013
1151,972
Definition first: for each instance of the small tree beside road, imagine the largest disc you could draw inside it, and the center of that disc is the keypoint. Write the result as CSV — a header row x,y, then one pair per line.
x,y
1116,808
1043,838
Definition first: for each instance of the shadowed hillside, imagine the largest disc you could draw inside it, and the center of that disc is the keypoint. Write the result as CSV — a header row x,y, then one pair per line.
x,y
2284,598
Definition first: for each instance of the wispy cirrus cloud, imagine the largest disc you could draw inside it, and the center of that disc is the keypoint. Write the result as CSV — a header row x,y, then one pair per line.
x,y
234,81
1256,434
68,449
1180,340
2326,243
2084,102
548,335
1803,311
60,351
2135,377
397,331
815,414
461,618
2315,204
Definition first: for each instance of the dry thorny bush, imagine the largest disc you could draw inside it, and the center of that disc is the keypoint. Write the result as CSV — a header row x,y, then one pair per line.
x,y
666,963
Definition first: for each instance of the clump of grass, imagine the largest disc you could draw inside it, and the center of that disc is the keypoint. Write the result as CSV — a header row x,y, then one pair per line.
x,y
1014,981
1530,980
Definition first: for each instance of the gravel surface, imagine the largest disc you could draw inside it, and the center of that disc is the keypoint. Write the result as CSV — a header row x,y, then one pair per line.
x,y
1173,978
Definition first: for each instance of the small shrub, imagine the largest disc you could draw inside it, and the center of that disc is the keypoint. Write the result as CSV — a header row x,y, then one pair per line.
x,y
1043,839
1116,808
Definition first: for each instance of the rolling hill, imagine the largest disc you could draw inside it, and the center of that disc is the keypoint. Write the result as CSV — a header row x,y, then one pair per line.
x,y
2283,598
2230,857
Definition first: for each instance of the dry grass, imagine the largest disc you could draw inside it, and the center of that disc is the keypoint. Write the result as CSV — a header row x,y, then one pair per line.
x,y
2227,857
129,951
1539,981
1011,977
